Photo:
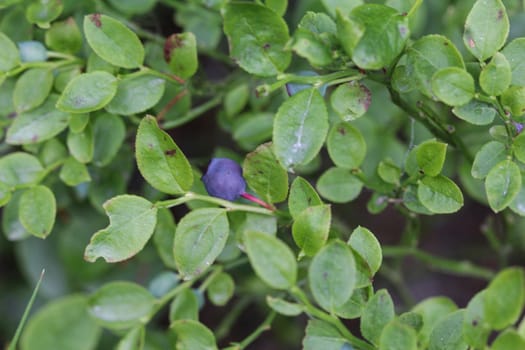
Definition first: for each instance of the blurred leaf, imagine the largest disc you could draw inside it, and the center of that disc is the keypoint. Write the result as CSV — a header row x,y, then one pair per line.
x,y
439,194
42,12
346,146
447,333
345,6
279,6
193,335
121,305
78,122
32,88
109,132
148,87
514,52
64,36
378,312
113,41
311,227
257,37
454,86
11,225
518,147
513,99
509,339
180,51
397,336
163,237
132,221
487,157
81,145
302,195
199,239
37,210
19,169
351,100
221,289
433,310
204,23
322,335
160,160
496,76
9,58
475,328
74,172
60,324
184,306
503,184
338,185
133,340
272,259
475,112
284,307
367,246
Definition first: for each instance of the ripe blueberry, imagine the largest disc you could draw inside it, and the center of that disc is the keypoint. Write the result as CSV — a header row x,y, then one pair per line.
x,y
223,179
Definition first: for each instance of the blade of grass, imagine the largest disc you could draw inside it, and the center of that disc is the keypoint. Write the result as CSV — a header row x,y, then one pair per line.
x,y
12,346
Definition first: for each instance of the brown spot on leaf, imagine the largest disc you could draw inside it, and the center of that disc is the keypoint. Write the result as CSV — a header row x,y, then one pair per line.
x,y
341,131
95,18
170,152
500,14
266,46
172,42
471,43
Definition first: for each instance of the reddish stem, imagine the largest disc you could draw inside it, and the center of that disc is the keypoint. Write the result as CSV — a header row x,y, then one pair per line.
x,y
170,104
258,201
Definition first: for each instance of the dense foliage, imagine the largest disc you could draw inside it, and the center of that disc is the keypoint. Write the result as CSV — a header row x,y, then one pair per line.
x,y
110,112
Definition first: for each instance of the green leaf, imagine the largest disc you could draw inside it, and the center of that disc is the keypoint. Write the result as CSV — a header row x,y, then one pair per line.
x,y
339,185
315,39
509,339
32,88
439,194
351,30
37,211
148,88
11,225
447,333
302,195
284,307
367,246
412,319
272,259
430,156
20,169
221,289
518,204
132,220
496,76
323,335
378,312
133,7
514,52
236,99
160,160
43,12
252,129
193,335
9,56
428,55
163,237
300,128
81,145
37,125
433,310
5,194
133,340
384,38
332,275
88,92
74,172
389,172
185,306
257,37
397,336
518,147
513,99
475,112
265,175
346,146
311,227
199,239
351,100
454,86
109,132
504,298
64,36
180,51
345,6
475,328
78,122
486,28
502,184
121,305
60,324
203,22
354,306
487,157
113,41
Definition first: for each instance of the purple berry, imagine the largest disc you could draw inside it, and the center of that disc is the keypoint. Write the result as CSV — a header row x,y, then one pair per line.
x,y
224,179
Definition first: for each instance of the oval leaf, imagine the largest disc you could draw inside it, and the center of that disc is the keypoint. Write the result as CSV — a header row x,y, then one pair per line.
x,y
486,28
367,246
284,307
136,94
302,195
20,168
120,305
265,175
272,260
439,194
300,128
454,86
514,52
351,100
311,227
447,333
199,239
496,76
109,132
32,88
487,157
332,275
430,156
346,146
503,184
257,37
476,112
132,220
397,336
180,51
193,335
221,289
160,160
9,56
339,185
88,92
37,210
378,312
113,41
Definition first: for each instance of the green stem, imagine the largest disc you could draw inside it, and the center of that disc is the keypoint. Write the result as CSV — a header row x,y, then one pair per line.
x,y
193,113
223,329
216,271
414,8
263,327
12,345
170,295
191,196
333,320
460,268
395,277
